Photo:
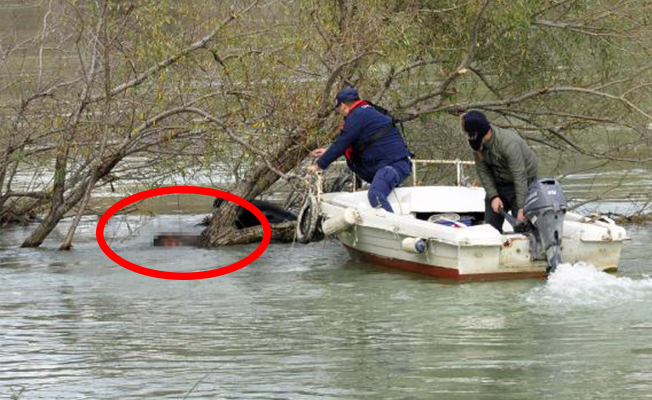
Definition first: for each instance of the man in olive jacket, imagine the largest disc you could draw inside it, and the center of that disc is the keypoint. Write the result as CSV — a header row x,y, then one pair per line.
x,y
505,164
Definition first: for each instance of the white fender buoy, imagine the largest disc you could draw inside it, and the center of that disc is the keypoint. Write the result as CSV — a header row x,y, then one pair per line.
x,y
414,245
349,217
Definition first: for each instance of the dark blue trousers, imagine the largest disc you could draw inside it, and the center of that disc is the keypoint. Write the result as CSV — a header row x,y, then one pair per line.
x,y
507,194
385,180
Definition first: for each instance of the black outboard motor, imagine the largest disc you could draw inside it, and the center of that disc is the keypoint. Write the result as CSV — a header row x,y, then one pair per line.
x,y
545,207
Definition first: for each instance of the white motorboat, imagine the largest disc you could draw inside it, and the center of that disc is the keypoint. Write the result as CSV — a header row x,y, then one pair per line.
x,y
439,230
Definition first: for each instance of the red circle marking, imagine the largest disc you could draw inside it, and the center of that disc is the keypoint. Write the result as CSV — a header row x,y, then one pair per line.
x,y
267,233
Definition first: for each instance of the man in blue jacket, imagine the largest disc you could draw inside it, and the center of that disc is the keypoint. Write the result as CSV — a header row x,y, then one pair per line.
x,y
373,147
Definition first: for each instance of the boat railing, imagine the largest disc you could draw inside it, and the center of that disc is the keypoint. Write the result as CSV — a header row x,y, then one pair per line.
x,y
457,162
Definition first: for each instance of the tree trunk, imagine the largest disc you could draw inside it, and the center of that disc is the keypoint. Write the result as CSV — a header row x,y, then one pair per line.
x,y
221,230
59,208
283,231
67,242
48,224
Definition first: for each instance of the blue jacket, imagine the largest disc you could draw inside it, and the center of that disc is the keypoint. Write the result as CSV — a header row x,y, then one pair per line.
x,y
359,126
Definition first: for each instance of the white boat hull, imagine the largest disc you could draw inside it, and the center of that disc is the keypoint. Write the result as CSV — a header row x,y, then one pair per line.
x,y
473,252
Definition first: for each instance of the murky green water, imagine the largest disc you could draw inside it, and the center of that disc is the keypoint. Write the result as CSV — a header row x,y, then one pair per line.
x,y
305,322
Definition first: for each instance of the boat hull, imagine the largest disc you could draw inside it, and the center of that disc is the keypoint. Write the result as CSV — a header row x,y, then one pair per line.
x,y
510,260
476,252
437,271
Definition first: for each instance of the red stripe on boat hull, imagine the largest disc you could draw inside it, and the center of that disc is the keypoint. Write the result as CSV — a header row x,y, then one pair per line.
x,y
442,272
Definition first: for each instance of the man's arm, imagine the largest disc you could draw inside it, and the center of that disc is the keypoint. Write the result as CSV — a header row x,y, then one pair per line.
x,y
350,133
486,177
516,164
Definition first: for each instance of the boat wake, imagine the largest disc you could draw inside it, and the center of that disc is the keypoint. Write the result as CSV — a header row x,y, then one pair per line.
x,y
582,284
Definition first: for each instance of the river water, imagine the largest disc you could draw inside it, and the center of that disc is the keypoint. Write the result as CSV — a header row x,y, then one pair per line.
x,y
305,322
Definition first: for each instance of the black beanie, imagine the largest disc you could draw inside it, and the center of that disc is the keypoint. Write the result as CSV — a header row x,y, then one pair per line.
x,y
475,122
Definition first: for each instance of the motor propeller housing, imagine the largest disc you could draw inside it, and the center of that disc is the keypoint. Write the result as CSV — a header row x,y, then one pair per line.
x,y
545,208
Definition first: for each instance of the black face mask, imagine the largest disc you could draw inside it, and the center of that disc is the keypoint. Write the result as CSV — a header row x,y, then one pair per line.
x,y
476,142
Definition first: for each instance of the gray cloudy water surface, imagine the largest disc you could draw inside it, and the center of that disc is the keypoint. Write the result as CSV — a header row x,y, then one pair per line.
x,y
305,322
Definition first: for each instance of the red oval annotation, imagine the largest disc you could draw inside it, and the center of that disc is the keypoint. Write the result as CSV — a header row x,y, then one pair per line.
x,y
267,233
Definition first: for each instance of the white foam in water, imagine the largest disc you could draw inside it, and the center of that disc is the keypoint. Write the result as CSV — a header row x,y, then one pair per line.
x,y
584,285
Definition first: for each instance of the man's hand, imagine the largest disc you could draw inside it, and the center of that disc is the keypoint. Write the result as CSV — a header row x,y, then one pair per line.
x,y
497,205
313,168
520,216
318,152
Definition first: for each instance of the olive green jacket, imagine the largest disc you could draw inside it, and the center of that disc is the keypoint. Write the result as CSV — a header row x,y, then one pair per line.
x,y
506,159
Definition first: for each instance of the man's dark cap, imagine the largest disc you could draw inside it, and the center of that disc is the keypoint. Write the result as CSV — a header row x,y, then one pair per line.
x,y
475,122
345,95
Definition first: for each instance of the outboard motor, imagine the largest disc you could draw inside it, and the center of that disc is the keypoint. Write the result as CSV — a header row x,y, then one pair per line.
x,y
545,207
